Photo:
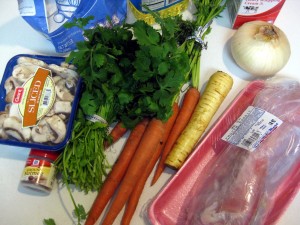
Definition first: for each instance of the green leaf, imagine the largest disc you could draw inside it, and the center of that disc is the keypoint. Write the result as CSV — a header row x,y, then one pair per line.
x,y
142,76
117,77
79,22
145,34
125,97
116,52
156,51
147,88
125,62
99,59
80,212
88,103
150,104
163,68
49,221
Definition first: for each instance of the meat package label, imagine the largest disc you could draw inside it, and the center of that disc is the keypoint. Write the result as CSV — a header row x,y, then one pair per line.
x,y
251,128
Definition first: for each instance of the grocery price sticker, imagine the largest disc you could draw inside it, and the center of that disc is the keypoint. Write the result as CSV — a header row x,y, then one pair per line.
x,y
251,128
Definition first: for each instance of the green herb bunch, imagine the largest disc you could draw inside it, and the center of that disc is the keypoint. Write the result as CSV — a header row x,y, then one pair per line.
x,y
129,72
206,11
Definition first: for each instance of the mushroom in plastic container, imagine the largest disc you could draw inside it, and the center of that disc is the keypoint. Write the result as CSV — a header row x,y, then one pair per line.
x,y
39,101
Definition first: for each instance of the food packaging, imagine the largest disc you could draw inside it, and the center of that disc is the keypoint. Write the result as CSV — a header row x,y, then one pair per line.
x,y
39,171
242,11
39,98
164,8
49,17
273,178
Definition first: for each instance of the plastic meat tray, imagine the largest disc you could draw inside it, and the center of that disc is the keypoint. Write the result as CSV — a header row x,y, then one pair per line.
x,y
168,206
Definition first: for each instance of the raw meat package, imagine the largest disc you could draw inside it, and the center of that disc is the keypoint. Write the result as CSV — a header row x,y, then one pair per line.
x,y
246,170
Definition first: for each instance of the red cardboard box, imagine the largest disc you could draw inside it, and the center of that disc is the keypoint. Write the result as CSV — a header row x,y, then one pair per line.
x,y
242,11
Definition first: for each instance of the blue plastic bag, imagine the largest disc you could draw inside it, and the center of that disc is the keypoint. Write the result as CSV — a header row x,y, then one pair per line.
x,y
48,17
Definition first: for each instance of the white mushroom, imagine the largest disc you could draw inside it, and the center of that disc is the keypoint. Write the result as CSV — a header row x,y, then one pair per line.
x,y
56,79
15,112
7,107
10,84
63,71
3,116
69,66
51,112
63,109
13,128
9,96
58,128
22,72
31,61
63,92
42,133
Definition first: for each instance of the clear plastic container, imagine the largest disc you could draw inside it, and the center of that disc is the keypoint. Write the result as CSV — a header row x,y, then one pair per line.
x,y
46,94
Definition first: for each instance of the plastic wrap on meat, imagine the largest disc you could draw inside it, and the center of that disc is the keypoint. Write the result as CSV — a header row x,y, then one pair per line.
x,y
241,187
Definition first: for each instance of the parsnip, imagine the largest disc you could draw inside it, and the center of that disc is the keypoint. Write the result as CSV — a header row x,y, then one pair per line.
x,y
215,92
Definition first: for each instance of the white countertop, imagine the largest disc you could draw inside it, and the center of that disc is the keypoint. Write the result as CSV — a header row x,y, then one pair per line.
x,y
20,206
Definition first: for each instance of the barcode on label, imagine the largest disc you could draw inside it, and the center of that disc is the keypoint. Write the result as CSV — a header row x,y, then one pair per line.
x,y
47,97
248,142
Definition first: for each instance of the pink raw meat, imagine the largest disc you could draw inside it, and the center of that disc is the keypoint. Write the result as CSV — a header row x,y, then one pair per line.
x,y
240,187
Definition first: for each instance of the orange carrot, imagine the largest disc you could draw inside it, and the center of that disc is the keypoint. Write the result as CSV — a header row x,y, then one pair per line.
x,y
139,187
116,133
117,173
148,144
189,103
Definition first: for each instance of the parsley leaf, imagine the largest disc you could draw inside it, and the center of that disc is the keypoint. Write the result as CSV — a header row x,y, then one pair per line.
x,y
49,221
145,34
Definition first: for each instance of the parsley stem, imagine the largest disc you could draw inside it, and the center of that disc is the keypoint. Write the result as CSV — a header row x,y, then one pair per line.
x,y
206,10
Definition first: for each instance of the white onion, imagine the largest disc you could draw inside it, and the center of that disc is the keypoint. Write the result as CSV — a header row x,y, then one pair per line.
x,y
260,48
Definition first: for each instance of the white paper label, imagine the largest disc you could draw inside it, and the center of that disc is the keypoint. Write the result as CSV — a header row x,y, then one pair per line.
x,y
254,7
251,128
96,118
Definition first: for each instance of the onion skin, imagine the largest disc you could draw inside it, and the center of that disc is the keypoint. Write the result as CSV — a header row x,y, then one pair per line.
x,y
258,52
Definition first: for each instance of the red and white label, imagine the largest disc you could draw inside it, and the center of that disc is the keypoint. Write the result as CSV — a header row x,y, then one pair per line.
x,y
19,92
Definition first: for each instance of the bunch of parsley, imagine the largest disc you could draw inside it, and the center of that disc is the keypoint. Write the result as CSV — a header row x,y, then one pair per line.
x,y
129,72
206,12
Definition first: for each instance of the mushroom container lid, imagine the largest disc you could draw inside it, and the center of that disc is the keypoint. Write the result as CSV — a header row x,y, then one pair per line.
x,y
25,119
